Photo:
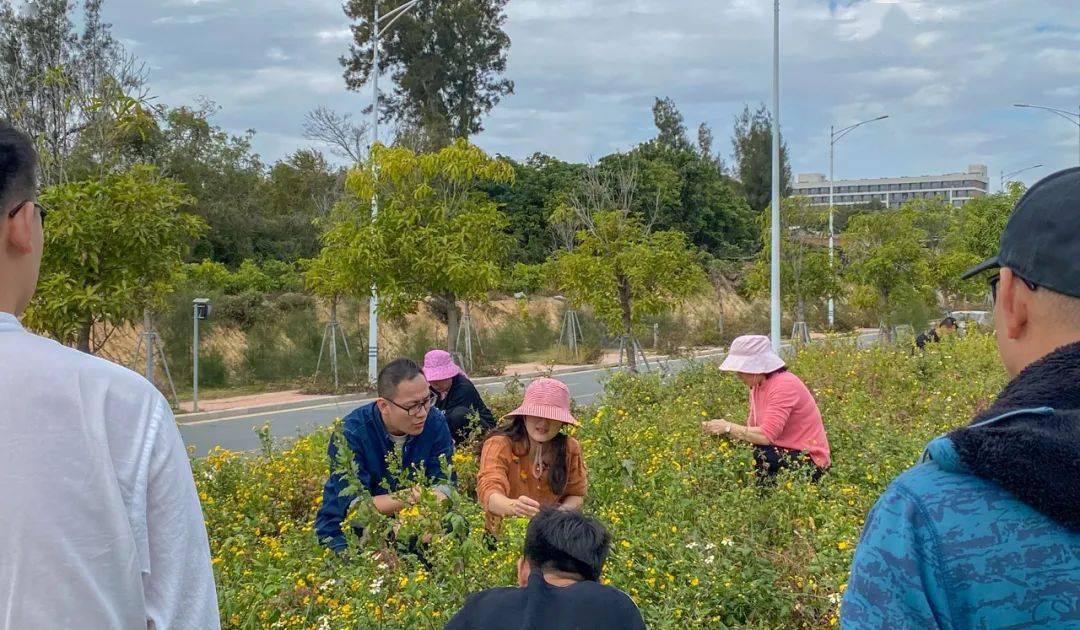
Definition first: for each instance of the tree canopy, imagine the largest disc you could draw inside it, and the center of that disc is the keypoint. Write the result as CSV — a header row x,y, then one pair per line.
x,y
436,234
112,248
446,59
752,146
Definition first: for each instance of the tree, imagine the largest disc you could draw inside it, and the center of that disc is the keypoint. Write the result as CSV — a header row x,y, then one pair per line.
x,y
540,185
437,236
446,58
619,266
805,273
113,248
679,190
344,137
669,122
297,192
889,262
705,143
59,83
752,145
973,235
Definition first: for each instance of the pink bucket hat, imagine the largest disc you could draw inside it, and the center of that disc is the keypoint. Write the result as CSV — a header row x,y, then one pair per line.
x,y
439,365
546,398
752,354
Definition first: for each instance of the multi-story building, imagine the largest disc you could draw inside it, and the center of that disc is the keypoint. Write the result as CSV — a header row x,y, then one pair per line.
x,y
956,188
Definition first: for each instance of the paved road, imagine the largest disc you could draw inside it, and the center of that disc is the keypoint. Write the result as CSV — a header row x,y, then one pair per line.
x,y
237,432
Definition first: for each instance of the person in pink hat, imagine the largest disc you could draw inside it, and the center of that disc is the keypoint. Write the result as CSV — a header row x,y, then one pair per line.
x,y
459,399
529,462
784,425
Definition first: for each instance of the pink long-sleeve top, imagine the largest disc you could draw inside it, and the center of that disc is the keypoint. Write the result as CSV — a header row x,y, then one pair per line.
x,y
785,410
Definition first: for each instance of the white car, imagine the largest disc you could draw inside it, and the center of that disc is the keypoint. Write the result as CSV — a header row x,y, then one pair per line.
x,y
979,318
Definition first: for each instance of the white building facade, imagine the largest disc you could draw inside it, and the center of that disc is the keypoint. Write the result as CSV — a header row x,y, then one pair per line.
x,y
956,188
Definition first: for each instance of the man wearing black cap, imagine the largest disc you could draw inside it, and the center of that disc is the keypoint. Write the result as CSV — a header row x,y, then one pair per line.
x,y
985,531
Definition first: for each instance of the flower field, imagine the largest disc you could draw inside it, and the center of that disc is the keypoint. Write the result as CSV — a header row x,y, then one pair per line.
x,y
696,543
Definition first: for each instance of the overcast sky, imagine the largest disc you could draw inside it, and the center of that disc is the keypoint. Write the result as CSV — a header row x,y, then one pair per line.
x,y
587,71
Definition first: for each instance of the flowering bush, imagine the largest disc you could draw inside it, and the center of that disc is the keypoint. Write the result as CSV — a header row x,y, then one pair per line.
x,y
695,540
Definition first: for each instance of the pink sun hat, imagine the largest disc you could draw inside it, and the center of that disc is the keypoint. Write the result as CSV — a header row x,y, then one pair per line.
x,y
546,398
752,354
439,365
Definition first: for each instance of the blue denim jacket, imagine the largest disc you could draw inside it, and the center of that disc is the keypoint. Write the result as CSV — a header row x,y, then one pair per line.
x,y
366,435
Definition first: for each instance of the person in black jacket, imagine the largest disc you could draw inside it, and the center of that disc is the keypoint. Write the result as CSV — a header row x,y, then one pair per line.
x,y
558,582
458,398
947,326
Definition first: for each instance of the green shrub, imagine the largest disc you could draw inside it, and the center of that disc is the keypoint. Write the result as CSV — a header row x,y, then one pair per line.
x,y
212,369
695,541
244,310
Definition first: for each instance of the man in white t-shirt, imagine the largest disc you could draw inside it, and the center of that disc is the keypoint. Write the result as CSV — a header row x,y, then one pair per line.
x,y
100,523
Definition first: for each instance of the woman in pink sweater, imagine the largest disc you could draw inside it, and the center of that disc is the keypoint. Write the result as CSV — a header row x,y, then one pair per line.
x,y
784,425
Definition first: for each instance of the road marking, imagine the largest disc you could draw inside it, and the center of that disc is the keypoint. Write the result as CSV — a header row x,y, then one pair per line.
x,y
269,413
490,384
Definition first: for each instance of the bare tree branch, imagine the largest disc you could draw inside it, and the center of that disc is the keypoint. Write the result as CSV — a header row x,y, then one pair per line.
x,y
345,138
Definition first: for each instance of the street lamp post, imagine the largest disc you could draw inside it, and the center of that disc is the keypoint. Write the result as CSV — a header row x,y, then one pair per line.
x,y
1073,117
378,30
834,137
774,327
1017,172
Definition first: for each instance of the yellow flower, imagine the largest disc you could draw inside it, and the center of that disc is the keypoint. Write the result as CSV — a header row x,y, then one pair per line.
x,y
695,582
842,545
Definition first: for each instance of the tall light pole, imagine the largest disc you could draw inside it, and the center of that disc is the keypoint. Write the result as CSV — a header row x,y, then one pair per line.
x,y
834,137
775,279
1073,117
377,31
1017,172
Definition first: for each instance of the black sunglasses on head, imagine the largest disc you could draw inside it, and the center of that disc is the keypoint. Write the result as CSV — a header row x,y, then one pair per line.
x,y
41,208
996,278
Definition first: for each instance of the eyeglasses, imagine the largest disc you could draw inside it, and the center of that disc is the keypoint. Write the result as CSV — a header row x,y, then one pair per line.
x,y
41,209
996,278
412,410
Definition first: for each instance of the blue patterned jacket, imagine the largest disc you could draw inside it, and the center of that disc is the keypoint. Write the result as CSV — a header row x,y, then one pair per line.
x,y
985,531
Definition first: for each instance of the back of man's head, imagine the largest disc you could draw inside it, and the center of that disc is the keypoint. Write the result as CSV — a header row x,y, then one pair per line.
x,y
567,541
18,167
1037,290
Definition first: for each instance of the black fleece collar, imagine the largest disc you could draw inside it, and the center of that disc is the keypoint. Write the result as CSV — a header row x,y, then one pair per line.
x,y
1036,456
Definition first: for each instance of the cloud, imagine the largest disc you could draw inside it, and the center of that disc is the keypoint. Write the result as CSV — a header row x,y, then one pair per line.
x,y
586,73
341,34
194,18
1062,60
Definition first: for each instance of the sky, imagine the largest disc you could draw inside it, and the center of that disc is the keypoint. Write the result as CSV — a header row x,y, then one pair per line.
x,y
947,73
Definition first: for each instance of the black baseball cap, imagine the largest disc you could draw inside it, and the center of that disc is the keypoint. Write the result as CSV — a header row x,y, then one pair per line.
x,y
1041,241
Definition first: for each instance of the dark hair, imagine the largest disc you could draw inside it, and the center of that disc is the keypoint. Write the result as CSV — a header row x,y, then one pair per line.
x,y
395,373
948,322
18,166
567,540
519,443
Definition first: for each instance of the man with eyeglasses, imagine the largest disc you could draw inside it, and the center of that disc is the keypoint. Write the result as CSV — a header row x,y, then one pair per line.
x,y
985,531
100,521
402,424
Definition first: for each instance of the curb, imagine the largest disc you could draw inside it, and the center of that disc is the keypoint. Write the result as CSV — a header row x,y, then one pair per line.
x,y
187,418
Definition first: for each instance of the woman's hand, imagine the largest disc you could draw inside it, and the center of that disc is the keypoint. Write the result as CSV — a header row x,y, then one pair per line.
x,y
524,506
502,505
716,427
